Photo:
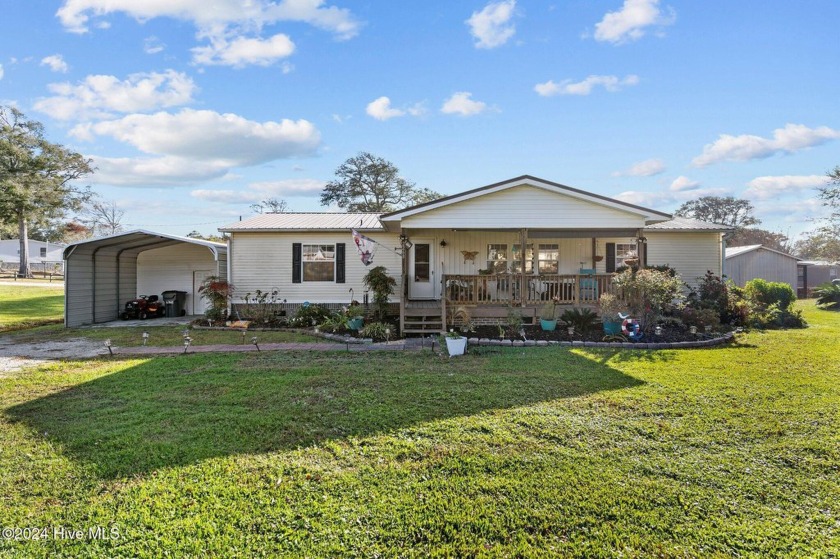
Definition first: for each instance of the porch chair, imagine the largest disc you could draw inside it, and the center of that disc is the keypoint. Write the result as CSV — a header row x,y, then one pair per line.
x,y
588,286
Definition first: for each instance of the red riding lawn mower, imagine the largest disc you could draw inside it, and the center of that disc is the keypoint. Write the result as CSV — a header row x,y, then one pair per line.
x,y
143,307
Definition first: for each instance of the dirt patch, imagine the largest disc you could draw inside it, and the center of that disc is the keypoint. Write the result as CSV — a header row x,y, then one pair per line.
x,y
17,356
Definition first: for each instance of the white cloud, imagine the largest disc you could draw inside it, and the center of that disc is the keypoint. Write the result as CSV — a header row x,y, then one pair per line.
x,y
682,189
1,72
102,96
790,139
381,109
765,188
630,22
585,87
155,171
461,104
255,192
647,168
75,15
491,26
153,45
243,51
207,136
56,63
684,184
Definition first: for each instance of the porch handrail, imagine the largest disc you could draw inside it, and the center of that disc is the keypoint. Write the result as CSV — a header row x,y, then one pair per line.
x,y
496,289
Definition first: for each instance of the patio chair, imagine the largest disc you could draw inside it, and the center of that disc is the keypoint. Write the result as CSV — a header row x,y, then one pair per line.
x,y
588,286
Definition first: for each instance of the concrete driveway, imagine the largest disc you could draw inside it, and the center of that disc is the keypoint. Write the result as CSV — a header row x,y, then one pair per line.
x,y
148,323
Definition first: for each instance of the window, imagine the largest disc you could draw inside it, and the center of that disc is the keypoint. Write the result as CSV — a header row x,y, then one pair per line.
x,y
497,257
547,259
623,251
422,262
43,252
516,264
318,262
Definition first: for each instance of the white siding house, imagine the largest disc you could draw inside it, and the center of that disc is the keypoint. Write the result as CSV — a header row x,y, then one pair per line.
x,y
756,261
43,256
517,242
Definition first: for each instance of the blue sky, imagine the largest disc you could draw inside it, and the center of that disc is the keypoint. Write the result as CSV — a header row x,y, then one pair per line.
x,y
194,109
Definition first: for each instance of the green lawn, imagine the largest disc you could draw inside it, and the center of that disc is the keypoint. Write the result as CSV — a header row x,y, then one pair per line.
x,y
533,452
24,306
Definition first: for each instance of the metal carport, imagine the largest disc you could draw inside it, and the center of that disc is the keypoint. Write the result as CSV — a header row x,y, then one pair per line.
x,y
101,274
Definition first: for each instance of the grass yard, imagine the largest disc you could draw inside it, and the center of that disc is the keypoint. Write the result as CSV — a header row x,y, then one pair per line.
x,y
536,452
25,306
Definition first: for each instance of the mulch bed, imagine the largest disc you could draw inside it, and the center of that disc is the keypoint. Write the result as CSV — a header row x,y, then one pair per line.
x,y
669,335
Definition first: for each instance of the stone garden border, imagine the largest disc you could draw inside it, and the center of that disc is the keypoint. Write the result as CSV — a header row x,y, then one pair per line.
x,y
729,336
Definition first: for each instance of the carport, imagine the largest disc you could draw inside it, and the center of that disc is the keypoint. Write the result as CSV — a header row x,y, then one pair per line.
x,y
102,274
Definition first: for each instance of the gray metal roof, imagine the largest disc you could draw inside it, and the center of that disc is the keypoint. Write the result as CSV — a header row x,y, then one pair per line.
x,y
735,251
687,224
139,240
301,221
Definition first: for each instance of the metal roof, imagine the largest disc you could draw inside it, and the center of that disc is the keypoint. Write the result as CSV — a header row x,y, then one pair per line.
x,y
735,251
302,221
687,224
139,239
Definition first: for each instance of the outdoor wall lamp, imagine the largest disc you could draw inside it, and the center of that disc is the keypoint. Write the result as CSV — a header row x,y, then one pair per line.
x,y
443,243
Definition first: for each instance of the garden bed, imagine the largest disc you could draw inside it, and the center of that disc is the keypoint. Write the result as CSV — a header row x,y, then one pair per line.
x,y
674,334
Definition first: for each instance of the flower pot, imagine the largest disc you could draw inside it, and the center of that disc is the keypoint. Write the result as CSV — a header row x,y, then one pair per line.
x,y
548,325
456,346
355,323
612,328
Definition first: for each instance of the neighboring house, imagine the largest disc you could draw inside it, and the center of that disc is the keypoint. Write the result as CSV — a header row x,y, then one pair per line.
x,y
812,273
467,250
756,261
105,272
43,256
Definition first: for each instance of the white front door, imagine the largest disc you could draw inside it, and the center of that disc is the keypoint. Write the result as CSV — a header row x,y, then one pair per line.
x,y
199,303
421,270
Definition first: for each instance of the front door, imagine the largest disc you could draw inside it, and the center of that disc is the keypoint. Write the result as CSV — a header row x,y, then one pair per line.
x,y
421,270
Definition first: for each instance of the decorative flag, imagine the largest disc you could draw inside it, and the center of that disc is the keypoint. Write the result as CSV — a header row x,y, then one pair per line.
x,y
366,247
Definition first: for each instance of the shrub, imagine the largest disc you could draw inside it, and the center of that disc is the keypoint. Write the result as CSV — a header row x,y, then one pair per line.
x,y
649,293
333,324
700,317
375,330
769,293
218,293
514,321
828,296
773,317
262,306
382,285
609,306
309,315
584,320
722,297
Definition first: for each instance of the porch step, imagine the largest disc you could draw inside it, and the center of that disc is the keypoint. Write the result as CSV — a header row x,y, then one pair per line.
x,y
423,324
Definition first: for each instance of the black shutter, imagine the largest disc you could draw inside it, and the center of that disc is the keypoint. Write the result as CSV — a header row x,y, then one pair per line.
x,y
610,258
339,263
296,262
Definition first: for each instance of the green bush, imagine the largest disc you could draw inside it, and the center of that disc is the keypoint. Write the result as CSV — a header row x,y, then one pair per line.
x,y
766,293
376,330
310,315
649,294
584,320
828,296
382,285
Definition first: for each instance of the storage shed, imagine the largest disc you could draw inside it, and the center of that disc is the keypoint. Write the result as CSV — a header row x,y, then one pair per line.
x,y
102,274
757,261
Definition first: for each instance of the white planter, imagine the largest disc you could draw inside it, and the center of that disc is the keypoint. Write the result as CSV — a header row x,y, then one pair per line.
x,y
456,346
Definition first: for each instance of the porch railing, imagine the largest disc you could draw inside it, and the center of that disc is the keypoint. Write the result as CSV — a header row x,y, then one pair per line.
x,y
507,289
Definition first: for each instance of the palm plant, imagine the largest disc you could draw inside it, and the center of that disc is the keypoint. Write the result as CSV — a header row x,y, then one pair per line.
x,y
828,296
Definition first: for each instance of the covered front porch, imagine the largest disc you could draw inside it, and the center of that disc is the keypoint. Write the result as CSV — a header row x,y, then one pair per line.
x,y
488,272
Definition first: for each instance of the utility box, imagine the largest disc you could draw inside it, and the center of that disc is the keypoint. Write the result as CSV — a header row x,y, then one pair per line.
x,y
175,302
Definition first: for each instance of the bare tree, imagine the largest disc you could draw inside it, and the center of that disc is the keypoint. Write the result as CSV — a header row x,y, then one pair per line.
x,y
104,217
270,206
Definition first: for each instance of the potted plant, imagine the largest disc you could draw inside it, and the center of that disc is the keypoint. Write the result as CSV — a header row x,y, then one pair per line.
x,y
548,316
355,317
456,344
610,306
